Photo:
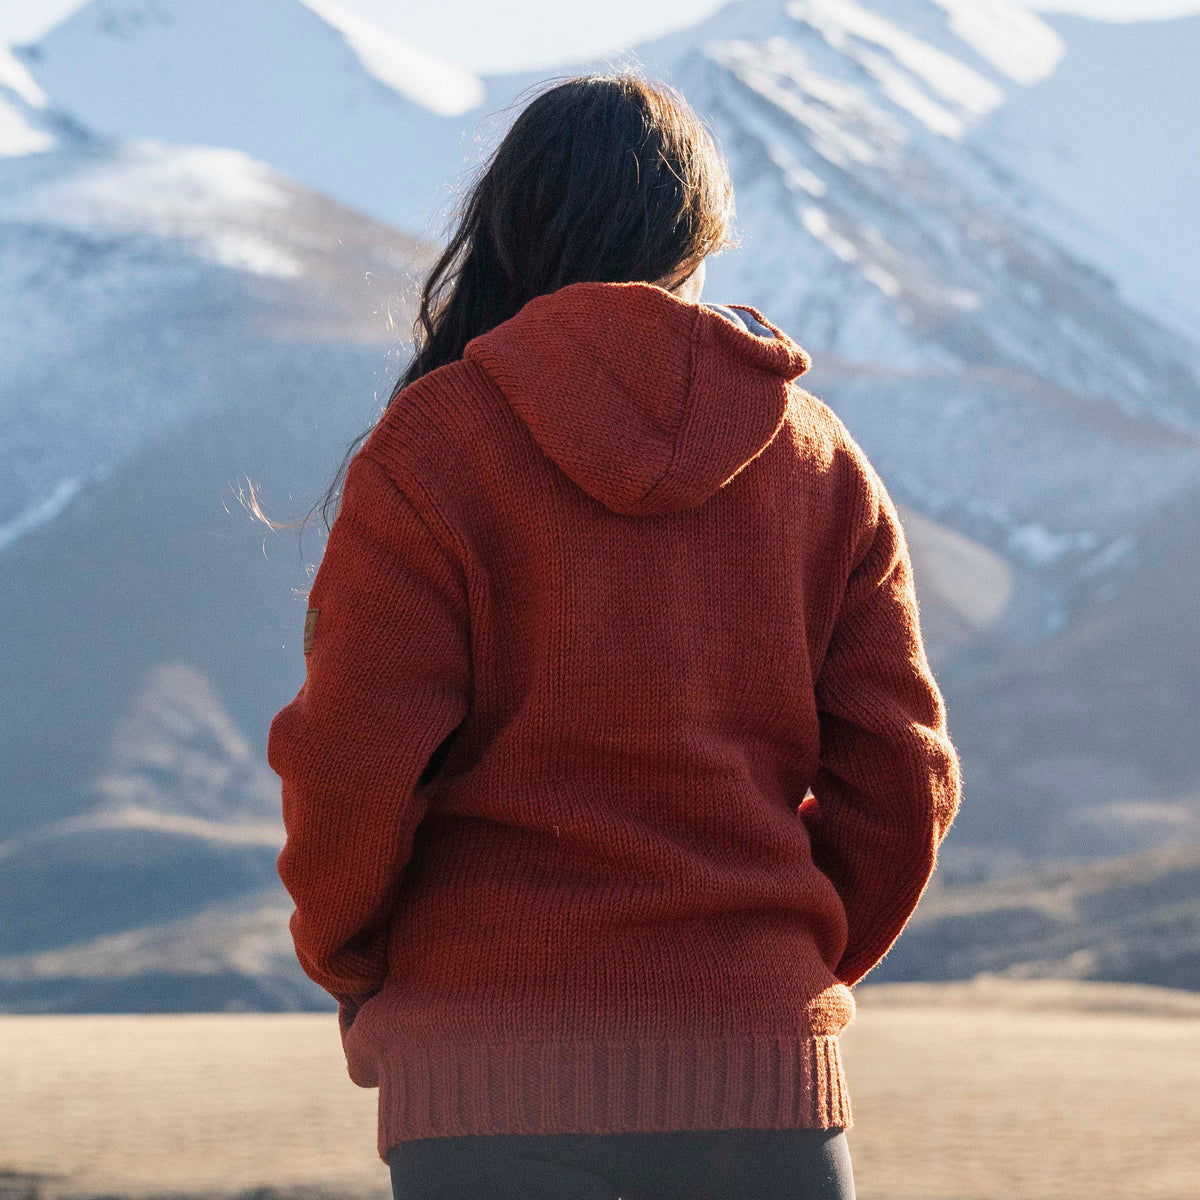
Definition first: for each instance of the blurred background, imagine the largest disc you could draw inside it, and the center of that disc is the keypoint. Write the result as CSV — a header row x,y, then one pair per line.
x,y
979,219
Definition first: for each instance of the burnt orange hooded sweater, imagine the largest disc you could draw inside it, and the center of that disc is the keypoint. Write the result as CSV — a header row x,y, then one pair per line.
x,y
618,757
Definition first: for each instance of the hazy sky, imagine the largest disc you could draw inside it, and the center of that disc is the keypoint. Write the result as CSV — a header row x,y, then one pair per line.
x,y
536,33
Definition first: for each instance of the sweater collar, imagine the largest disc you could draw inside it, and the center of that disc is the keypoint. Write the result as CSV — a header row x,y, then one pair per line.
x,y
648,402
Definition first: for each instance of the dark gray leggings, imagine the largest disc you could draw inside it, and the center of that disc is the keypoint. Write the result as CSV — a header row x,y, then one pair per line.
x,y
722,1164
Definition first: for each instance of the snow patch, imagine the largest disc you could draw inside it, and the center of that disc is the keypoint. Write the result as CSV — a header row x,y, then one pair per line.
x,y
246,252
435,83
18,80
903,90
1039,545
181,183
963,298
19,135
1014,40
826,108
885,281
817,223
197,194
914,65
796,176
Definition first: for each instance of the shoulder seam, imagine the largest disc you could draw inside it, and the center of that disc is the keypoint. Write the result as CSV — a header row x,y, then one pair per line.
x,y
443,533
388,450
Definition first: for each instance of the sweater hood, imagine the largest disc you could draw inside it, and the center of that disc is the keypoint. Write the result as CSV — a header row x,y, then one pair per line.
x,y
648,402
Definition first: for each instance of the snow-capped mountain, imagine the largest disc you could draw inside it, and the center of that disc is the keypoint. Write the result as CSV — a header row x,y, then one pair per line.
x,y
318,92
1003,382
1111,141
115,260
1098,117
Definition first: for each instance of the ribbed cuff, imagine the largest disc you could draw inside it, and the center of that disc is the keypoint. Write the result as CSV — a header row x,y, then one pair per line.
x,y
756,1081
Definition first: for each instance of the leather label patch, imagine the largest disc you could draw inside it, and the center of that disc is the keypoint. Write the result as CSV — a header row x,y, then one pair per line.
x,y
310,628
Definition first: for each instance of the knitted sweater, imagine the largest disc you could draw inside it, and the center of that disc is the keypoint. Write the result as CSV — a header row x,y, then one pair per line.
x,y
618,758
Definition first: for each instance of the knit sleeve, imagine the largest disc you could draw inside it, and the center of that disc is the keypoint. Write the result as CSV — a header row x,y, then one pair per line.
x,y
387,679
888,784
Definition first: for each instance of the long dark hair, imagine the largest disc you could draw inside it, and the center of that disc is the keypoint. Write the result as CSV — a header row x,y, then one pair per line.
x,y
601,178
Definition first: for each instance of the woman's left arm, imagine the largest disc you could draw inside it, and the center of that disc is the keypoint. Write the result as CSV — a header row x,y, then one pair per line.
x,y
387,679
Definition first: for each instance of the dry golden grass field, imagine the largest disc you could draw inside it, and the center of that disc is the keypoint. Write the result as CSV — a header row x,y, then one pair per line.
x,y
994,1090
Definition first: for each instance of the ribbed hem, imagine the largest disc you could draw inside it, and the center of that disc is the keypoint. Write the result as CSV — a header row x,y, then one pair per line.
x,y
755,1081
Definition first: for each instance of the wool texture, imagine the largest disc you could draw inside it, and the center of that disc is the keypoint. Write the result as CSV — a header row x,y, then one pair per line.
x,y
618,759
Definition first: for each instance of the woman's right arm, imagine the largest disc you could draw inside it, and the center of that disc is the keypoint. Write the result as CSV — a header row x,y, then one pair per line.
x,y
889,780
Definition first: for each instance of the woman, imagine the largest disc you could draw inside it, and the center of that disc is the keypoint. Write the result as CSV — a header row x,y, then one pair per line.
x,y
618,759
